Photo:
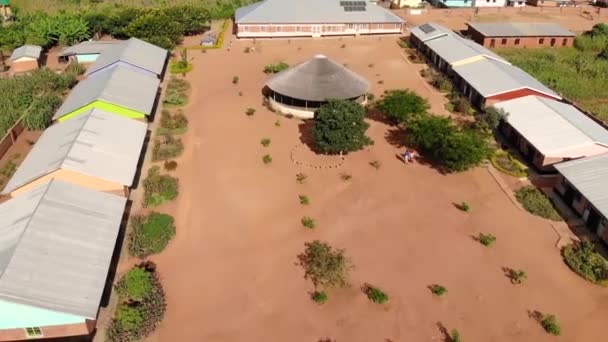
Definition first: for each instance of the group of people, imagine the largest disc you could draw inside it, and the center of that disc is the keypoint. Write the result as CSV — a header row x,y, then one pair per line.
x,y
408,156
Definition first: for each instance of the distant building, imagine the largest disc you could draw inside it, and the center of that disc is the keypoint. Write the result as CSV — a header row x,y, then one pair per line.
x,y
516,3
25,58
85,52
525,35
548,132
405,3
314,18
452,3
582,185
489,3
552,3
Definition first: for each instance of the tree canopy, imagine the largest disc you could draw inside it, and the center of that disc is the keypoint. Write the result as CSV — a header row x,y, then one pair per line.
x,y
402,104
339,126
324,265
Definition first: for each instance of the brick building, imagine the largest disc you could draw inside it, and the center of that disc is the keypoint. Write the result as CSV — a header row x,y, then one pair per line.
x,y
525,35
25,58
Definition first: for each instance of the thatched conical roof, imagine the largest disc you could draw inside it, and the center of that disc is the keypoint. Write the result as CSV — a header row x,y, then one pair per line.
x,y
318,79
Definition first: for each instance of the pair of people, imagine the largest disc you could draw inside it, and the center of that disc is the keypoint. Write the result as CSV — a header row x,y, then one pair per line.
x,y
408,156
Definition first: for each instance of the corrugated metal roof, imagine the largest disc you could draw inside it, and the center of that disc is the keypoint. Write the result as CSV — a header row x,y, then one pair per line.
x,y
318,79
453,48
521,30
311,11
56,245
551,125
135,52
98,144
120,86
429,31
88,47
590,177
490,77
31,51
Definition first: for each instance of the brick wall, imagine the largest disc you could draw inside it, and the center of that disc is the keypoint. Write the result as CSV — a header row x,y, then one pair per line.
x,y
10,137
524,42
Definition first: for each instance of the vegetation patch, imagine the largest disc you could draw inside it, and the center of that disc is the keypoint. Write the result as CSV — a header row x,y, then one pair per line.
x,y
437,79
320,297
265,142
176,95
304,200
438,290
402,104
583,259
339,127
537,203
486,239
301,178
170,165
375,294
158,188
506,163
308,222
464,206
172,123
9,168
325,266
141,305
167,147
275,68
267,159
250,111
550,324
151,234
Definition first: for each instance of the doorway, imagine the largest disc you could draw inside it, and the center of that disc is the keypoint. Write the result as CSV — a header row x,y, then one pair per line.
x,y
593,219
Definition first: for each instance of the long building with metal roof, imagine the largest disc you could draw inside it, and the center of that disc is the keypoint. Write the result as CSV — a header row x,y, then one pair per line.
x,y
134,54
314,18
56,246
87,51
524,35
99,150
121,91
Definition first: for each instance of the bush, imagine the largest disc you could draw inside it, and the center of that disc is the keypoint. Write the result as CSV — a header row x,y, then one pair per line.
x,y
159,188
550,324
275,68
464,206
324,265
136,285
375,294
537,203
455,336
339,127
505,162
170,165
157,28
180,67
151,234
583,259
235,80
250,111
304,200
265,142
517,276
267,159
9,168
308,222
178,84
167,147
128,318
319,297
172,124
301,178
486,239
438,290
174,99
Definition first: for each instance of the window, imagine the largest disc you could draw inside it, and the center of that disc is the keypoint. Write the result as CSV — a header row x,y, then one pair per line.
x,y
541,41
504,41
577,197
552,41
33,332
564,42
516,41
492,42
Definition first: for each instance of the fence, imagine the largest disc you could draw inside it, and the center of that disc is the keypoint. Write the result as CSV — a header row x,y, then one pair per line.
x,y
11,136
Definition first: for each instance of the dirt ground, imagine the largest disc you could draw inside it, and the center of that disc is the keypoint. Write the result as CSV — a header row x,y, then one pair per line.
x,y
230,272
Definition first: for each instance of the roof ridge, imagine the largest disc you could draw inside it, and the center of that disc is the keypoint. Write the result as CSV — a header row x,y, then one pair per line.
x,y
86,119
581,114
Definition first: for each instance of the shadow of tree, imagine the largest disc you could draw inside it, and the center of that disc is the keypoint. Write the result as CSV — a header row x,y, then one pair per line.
x,y
306,136
378,116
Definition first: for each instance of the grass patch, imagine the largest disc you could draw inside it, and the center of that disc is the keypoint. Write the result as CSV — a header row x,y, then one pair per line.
x,y
176,92
583,259
503,161
308,222
267,159
438,290
319,297
172,123
301,178
8,169
537,203
151,234
304,200
550,324
275,68
250,111
486,239
517,276
179,67
166,147
158,188
265,142
375,294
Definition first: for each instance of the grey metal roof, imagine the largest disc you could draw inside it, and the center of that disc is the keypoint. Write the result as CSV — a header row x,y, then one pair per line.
x,y
98,144
311,11
135,52
489,77
56,244
120,86
550,125
429,31
318,79
31,51
521,30
590,177
453,48
88,47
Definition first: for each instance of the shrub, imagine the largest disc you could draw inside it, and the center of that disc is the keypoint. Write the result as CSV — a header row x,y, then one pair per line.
x,y
375,164
455,336
129,318
265,142
267,159
250,111
170,165
275,68
370,96
464,206
339,126
235,80
486,239
583,259
301,178
319,297
438,290
537,203
277,123
308,222
174,99
180,67
151,234
172,124
304,200
8,169
325,266
247,50
167,147
345,176
159,188
375,294
550,324
136,285
39,114
505,162
517,276
178,84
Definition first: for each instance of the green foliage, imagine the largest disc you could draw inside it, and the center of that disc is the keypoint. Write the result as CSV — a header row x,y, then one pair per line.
x,y
455,148
176,94
167,147
170,165
235,80
486,239
455,336
179,67
517,276
339,127
40,112
159,188
319,297
172,124
157,28
505,162
550,324
136,285
301,178
583,259
308,222
537,203
375,294
325,266
267,159
304,200
275,68
151,234
464,206
265,142
8,169
250,111
402,104
193,19
438,290
129,318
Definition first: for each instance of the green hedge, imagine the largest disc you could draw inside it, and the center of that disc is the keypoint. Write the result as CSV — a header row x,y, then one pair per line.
x,y
505,162
537,203
158,188
151,234
583,259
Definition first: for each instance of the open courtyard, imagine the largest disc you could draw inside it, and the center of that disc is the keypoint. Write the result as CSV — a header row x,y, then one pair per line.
x,y
230,273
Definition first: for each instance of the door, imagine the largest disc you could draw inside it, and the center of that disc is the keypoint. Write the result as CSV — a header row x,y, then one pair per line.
x,y
593,220
316,30
569,195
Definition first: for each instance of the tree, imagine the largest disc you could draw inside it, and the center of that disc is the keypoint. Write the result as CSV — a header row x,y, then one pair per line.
x,y
429,131
193,19
402,104
600,29
491,117
325,266
118,21
156,28
339,126
68,29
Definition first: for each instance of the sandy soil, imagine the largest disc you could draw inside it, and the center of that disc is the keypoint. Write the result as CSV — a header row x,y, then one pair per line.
x,y
230,272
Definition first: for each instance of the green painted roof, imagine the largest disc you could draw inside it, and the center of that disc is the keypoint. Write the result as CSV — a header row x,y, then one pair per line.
x,y
4,2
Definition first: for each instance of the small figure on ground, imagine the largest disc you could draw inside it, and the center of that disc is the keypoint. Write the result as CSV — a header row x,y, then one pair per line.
x,y
408,156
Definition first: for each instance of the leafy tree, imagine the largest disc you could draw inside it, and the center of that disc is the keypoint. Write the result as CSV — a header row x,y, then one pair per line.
x,y
69,29
325,266
402,104
118,21
339,126
156,28
193,19
600,29
429,132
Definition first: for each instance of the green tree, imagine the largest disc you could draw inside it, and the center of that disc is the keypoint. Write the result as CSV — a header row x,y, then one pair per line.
x,y
600,29
402,104
151,234
118,21
193,19
68,29
325,266
136,285
429,131
156,28
339,126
